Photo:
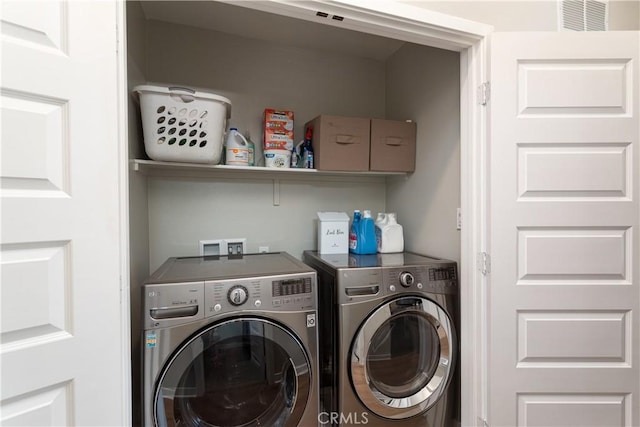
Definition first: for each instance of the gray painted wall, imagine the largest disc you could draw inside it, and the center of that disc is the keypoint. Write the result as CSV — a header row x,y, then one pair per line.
x,y
184,211
423,84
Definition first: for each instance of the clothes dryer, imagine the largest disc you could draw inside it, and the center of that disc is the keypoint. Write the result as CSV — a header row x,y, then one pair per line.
x,y
231,341
388,340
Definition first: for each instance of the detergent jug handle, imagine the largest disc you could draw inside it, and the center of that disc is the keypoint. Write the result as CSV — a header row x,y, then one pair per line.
x,y
243,138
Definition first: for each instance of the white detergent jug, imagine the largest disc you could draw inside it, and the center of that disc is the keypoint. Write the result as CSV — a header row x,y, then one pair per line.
x,y
237,148
380,221
392,239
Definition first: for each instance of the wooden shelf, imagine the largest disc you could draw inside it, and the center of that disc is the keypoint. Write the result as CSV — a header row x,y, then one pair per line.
x,y
175,169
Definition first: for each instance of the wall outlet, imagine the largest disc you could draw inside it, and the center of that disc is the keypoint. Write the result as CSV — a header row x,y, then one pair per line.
x,y
236,246
263,249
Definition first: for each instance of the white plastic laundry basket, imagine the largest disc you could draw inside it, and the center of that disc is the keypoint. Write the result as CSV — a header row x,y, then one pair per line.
x,y
181,124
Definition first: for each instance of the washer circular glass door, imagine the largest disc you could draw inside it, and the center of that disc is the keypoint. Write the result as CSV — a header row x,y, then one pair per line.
x,y
240,372
402,357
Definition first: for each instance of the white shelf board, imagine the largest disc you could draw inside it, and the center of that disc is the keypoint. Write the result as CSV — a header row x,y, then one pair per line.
x,y
176,169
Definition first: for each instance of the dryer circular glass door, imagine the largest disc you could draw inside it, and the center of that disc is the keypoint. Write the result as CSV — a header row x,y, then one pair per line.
x,y
402,357
239,372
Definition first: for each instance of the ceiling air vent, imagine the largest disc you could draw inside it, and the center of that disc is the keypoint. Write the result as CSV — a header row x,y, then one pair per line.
x,y
583,15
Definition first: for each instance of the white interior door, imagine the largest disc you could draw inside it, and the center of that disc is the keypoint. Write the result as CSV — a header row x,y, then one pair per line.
x,y
564,330
62,352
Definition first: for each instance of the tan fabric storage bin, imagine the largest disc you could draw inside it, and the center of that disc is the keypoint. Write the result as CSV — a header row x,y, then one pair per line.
x,y
340,143
393,146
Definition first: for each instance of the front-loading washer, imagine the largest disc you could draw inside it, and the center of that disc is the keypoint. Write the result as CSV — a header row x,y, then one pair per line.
x,y
388,341
231,341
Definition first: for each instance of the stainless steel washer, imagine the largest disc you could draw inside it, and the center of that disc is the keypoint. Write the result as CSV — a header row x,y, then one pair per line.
x,y
231,341
388,341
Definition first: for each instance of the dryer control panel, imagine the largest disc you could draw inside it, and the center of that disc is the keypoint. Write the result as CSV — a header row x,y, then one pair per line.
x,y
367,283
440,279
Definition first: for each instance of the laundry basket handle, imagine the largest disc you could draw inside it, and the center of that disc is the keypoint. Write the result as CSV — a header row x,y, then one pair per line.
x,y
175,93
181,88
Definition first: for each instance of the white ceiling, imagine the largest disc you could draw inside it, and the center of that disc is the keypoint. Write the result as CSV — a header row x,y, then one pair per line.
x,y
253,24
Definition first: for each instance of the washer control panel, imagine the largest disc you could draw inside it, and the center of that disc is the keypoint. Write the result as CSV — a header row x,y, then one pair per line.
x,y
278,293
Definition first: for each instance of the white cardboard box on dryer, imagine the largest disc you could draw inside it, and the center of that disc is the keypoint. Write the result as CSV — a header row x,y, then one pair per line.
x,y
333,233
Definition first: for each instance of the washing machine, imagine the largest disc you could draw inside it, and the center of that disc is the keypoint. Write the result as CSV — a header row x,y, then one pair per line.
x,y
231,341
388,341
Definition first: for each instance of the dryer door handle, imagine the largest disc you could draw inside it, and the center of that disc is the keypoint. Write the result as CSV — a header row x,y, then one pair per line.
x,y
171,312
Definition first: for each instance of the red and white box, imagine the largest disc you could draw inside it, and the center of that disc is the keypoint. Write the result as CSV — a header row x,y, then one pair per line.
x,y
278,129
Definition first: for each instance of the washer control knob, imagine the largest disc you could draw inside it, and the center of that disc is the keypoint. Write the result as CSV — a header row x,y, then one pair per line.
x,y
237,295
217,307
392,288
258,303
406,279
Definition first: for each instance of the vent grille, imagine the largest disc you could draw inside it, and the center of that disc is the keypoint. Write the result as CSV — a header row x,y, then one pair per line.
x,y
596,15
583,15
573,15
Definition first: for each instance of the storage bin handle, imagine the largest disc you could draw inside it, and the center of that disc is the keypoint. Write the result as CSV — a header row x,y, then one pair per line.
x,y
393,141
346,139
174,93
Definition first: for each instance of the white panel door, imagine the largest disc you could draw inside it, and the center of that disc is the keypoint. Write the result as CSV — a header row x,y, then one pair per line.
x,y
61,316
564,299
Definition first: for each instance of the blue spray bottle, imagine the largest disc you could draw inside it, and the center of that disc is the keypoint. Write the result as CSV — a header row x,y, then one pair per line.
x,y
354,233
307,156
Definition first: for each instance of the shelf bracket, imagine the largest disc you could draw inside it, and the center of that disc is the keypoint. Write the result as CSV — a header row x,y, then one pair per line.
x,y
276,192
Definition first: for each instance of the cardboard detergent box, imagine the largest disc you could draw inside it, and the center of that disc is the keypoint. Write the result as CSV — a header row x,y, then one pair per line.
x,y
333,233
278,129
